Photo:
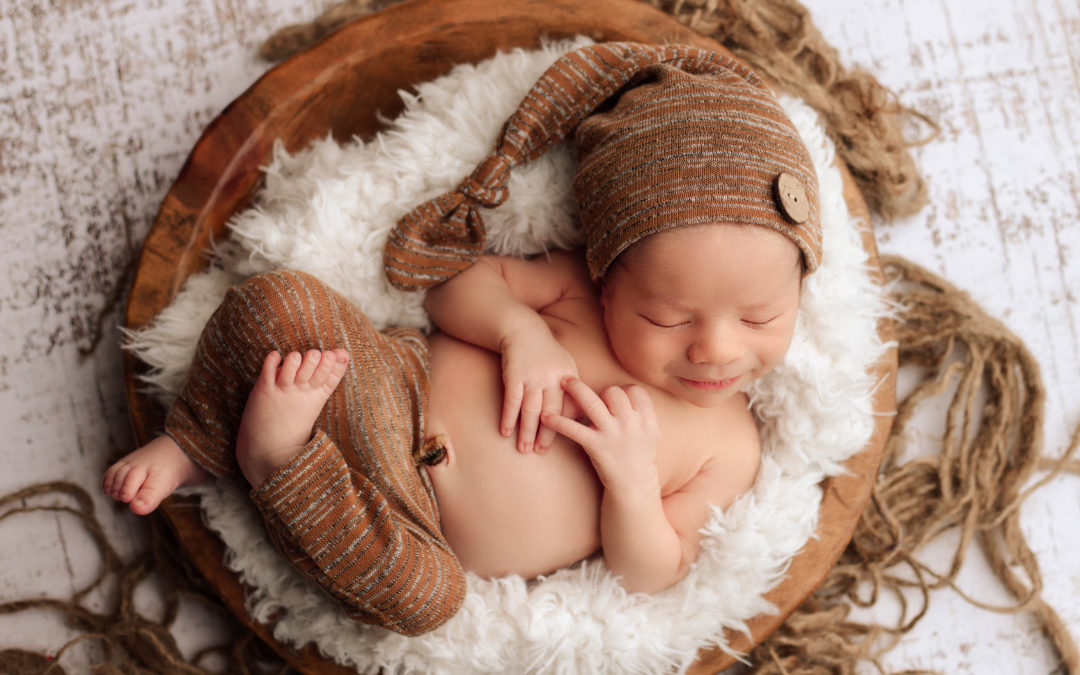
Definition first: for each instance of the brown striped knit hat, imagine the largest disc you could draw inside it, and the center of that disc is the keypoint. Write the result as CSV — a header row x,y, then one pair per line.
x,y
667,136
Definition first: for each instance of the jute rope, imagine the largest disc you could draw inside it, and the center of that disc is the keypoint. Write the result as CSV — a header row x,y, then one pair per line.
x,y
991,446
128,642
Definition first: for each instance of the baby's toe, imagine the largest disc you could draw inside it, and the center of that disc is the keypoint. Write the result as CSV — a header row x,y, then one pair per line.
x,y
310,363
330,369
113,479
341,362
286,375
148,496
107,480
145,502
322,368
130,483
269,367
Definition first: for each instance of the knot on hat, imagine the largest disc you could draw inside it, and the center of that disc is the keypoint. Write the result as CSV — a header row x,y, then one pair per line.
x,y
442,237
434,242
487,184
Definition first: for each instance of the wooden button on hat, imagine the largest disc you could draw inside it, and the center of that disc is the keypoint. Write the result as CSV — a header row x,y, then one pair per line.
x,y
791,198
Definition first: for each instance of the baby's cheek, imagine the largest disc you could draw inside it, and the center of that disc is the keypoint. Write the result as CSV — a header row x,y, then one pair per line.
x,y
775,349
660,356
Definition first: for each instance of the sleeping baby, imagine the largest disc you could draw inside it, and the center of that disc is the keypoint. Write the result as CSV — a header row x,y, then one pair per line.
x,y
578,402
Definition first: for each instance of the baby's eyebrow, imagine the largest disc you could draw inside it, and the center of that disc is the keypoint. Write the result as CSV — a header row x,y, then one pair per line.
x,y
765,304
658,297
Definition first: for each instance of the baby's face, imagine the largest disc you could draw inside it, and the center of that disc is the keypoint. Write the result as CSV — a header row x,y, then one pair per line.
x,y
703,311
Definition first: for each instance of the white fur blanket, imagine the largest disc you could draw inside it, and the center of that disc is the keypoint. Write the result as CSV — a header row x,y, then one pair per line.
x,y
327,210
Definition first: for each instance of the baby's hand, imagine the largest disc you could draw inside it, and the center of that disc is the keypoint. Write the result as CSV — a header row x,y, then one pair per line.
x,y
534,366
622,439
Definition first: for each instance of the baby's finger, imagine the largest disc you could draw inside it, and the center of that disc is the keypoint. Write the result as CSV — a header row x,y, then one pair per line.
x,y
571,409
511,408
553,404
617,401
531,406
639,399
591,404
575,431
545,436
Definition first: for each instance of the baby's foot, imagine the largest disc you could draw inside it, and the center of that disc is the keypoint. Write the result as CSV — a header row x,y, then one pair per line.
x,y
150,474
282,408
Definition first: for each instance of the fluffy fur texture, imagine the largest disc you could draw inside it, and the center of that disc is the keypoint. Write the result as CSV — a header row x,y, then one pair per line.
x,y
327,210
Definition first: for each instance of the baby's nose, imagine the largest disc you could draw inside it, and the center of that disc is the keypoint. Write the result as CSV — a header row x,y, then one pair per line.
x,y
716,346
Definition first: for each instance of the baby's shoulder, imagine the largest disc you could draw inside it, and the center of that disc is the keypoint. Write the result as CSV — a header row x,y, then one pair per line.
x,y
734,460
570,266
719,446
577,301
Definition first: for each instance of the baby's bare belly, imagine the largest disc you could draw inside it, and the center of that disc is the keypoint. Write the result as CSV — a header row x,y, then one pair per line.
x,y
503,512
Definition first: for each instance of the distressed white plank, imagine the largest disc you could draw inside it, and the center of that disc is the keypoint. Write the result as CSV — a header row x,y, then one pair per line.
x,y
100,103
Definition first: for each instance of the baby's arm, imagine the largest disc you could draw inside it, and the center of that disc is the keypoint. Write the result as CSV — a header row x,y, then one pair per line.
x,y
649,540
495,304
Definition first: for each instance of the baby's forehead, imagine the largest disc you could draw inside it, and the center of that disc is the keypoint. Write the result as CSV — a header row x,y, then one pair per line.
x,y
677,245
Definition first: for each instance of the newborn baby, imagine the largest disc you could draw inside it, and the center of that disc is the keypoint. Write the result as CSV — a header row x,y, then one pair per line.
x,y
384,463
655,360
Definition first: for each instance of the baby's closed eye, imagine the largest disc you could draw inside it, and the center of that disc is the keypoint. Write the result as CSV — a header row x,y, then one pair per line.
x,y
756,322
665,322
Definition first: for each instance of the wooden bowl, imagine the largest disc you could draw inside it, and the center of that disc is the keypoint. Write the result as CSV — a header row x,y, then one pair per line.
x,y
341,85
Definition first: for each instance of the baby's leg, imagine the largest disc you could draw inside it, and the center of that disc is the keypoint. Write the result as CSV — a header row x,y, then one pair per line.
x,y
352,510
282,408
150,474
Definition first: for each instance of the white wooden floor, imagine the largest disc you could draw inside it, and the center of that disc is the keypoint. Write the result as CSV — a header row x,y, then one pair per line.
x,y
100,102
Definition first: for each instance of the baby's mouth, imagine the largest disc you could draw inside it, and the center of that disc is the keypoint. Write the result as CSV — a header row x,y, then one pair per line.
x,y
709,385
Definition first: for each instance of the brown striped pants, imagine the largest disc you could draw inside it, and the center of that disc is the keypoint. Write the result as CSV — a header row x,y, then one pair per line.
x,y
353,510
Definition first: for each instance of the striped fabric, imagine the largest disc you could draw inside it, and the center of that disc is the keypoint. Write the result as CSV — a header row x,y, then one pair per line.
x,y
667,136
352,510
